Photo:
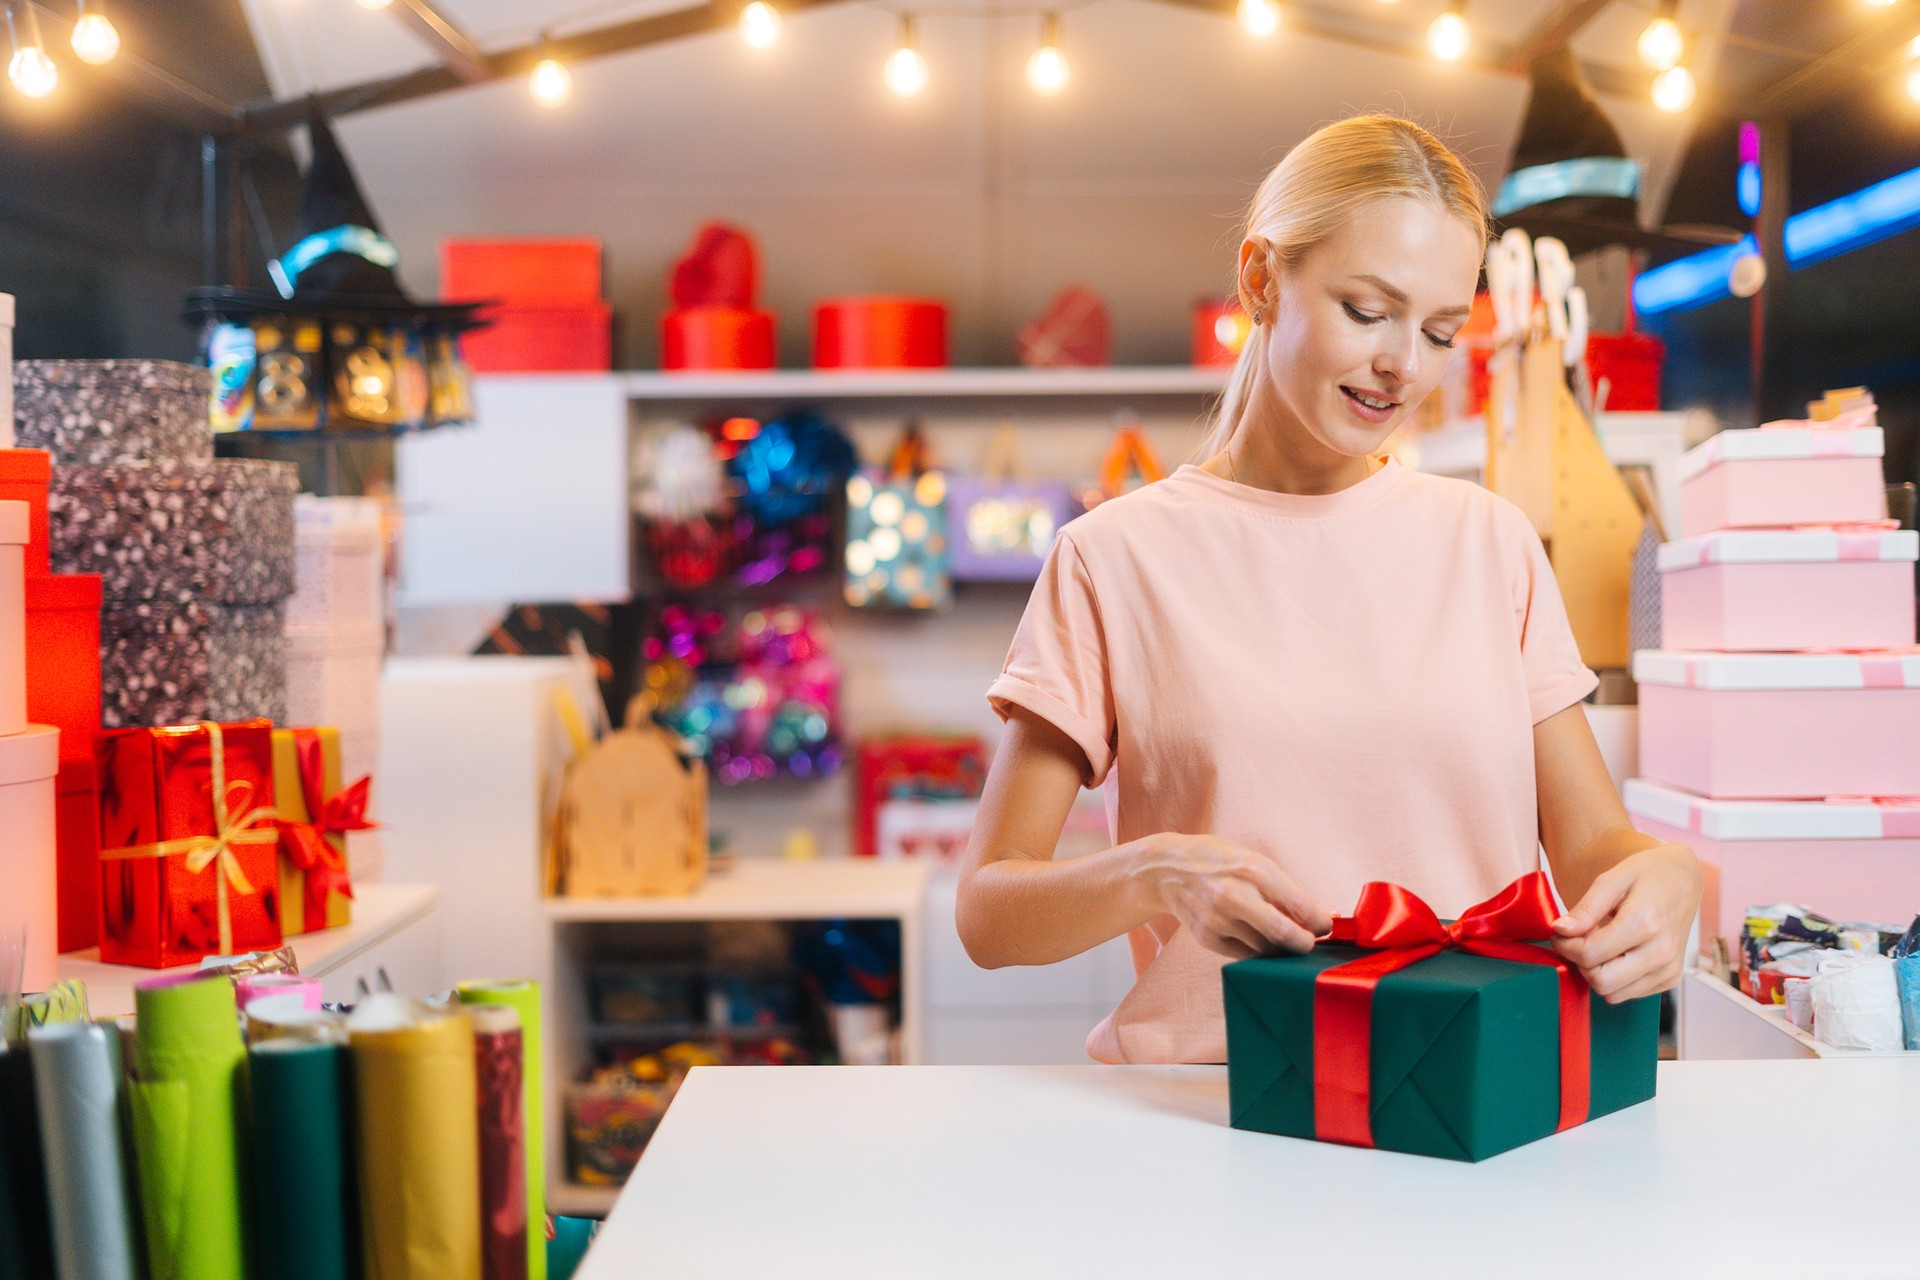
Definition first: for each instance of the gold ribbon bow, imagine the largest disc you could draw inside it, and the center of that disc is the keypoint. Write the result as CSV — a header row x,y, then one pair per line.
x,y
233,823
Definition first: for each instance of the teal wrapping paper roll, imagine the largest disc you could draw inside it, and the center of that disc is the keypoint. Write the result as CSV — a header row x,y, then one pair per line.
x,y
188,1073
81,1092
306,1219
26,1245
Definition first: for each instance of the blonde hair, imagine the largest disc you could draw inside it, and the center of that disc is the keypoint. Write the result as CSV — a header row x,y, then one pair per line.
x,y
1318,186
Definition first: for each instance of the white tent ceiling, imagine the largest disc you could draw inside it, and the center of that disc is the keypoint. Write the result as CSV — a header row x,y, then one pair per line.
x,y
979,191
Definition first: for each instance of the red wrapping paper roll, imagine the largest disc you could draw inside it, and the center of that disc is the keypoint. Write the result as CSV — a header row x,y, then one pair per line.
x,y
503,1138
716,338
880,333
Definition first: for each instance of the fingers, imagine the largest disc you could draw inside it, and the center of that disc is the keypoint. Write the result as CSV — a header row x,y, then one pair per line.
x,y
1279,889
1601,900
1634,924
1653,966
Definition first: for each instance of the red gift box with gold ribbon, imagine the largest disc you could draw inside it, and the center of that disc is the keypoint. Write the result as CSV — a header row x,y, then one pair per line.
x,y
189,844
1406,1033
316,813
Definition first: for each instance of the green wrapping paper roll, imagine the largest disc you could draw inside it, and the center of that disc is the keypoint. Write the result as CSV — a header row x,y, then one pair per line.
x,y
524,996
26,1245
189,1066
304,1191
413,1072
82,1096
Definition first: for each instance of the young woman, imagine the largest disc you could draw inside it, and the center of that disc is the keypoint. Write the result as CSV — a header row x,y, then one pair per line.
x,y
1299,667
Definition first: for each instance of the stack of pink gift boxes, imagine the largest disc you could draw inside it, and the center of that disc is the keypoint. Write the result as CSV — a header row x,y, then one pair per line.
x,y
1780,719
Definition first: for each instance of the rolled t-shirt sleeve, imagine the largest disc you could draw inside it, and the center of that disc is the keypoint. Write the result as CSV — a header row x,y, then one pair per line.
x,y
1556,677
1057,667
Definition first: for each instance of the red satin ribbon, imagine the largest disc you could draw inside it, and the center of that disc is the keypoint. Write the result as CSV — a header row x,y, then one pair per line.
x,y
1401,931
305,844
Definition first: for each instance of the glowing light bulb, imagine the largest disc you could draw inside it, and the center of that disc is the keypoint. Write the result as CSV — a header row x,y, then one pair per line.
x,y
94,39
1881,4
760,24
1662,43
1673,90
1047,68
551,83
906,72
1449,36
1259,18
33,72
1913,83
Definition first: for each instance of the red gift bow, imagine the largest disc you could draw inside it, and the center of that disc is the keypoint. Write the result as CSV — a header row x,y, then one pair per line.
x,y
1402,931
305,844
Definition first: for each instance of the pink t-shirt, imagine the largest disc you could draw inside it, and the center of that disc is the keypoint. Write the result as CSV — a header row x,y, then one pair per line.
x,y
1347,682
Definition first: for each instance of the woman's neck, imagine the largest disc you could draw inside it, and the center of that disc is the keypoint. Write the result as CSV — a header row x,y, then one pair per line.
x,y
1265,452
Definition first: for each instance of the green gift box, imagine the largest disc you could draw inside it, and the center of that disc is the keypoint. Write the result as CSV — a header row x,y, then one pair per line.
x,y
1465,1051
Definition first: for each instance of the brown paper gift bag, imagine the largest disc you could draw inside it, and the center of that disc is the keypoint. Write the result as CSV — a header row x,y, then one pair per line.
x,y
633,814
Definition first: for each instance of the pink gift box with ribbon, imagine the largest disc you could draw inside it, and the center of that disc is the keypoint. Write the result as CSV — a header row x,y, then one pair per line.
x,y
1759,590
1780,726
1785,474
1849,857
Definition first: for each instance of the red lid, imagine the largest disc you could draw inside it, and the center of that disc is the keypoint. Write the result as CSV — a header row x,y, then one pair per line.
x,y
32,465
63,591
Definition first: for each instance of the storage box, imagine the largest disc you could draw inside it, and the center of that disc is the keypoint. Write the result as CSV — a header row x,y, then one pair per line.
x,y
1630,363
333,676
542,272
1856,859
1457,1055
1781,475
13,618
28,762
163,663
1780,726
574,338
24,476
216,531
168,895
76,823
63,659
339,564
880,333
1778,590
107,412
716,338
1220,330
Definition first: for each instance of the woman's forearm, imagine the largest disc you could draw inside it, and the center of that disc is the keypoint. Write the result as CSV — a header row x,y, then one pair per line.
x,y
1018,910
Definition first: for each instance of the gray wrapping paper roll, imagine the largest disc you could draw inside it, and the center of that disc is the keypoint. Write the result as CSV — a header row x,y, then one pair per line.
x,y
80,1090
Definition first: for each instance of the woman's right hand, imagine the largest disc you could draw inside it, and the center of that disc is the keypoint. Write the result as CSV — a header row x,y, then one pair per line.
x,y
1233,900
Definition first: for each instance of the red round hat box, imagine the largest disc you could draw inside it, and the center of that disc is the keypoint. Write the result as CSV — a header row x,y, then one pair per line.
x,y
880,333
705,338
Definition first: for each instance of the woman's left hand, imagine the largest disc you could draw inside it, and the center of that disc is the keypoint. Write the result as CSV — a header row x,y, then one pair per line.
x,y
1628,935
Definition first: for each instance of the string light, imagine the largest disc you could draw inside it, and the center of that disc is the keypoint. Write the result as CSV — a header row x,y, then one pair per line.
x,y
1673,90
30,69
760,24
1259,18
1662,43
1047,68
94,39
1448,36
906,72
551,83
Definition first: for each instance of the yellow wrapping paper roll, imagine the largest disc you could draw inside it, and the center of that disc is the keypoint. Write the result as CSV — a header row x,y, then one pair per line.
x,y
419,1140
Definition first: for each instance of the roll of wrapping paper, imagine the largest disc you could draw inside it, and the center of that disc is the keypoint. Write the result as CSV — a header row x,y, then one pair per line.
x,y
317,1026
188,1064
80,1090
503,1142
419,1140
255,985
26,1244
305,1202
524,996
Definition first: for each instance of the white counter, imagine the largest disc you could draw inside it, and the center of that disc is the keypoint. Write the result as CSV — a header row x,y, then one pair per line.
x,y
1133,1171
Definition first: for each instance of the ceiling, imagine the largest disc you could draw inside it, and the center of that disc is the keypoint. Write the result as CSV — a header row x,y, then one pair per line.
x,y
978,190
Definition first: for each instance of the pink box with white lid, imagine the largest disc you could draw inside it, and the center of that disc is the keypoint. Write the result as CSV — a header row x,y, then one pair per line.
x,y
1850,858
13,617
1776,589
1785,474
1780,726
29,764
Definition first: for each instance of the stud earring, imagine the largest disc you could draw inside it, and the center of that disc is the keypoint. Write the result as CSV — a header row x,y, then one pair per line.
x,y
1256,317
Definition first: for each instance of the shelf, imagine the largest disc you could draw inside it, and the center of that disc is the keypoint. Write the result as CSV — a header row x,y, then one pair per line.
x,y
571,1200
1154,381
379,911
771,889
671,1032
